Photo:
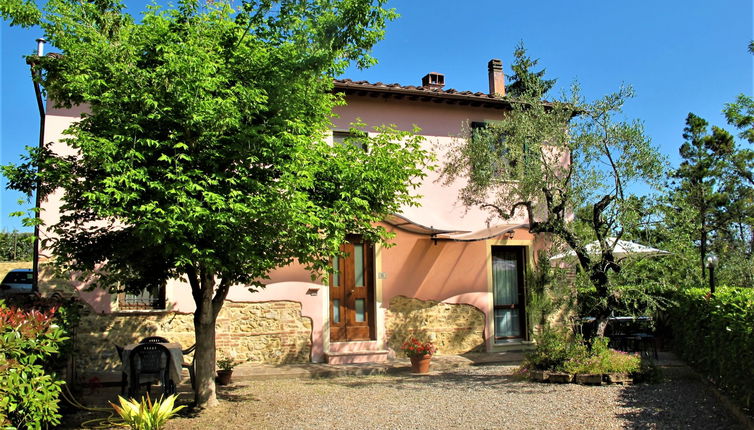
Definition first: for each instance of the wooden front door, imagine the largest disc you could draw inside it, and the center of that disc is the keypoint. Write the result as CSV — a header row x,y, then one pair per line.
x,y
352,293
508,292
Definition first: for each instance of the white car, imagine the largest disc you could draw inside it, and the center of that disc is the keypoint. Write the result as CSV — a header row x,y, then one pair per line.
x,y
17,281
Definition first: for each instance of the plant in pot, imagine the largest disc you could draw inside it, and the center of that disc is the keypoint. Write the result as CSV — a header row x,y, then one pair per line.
x,y
420,354
225,370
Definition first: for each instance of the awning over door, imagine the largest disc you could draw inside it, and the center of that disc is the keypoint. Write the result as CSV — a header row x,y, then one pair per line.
x,y
445,232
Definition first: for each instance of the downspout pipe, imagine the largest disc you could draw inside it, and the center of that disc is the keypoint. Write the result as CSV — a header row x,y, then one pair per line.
x,y
35,77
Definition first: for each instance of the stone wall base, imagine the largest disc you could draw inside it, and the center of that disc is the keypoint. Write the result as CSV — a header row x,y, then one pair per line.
x,y
453,328
268,332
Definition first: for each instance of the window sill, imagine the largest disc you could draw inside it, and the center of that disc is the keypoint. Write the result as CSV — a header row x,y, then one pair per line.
x,y
141,311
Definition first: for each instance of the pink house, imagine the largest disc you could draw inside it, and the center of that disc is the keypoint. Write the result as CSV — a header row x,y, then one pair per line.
x,y
453,276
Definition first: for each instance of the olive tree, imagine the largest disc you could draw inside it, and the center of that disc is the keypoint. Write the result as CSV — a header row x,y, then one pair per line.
x,y
568,167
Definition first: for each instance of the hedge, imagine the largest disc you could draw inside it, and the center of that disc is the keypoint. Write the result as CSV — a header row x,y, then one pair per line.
x,y
715,335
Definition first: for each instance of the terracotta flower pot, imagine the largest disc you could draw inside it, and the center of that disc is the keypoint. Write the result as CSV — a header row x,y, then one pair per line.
x,y
420,364
223,377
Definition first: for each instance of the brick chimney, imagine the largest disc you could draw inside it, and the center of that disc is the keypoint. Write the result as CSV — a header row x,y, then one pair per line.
x,y
497,78
433,80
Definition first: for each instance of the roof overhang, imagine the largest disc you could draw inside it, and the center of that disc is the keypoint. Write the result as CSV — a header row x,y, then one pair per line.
x,y
363,88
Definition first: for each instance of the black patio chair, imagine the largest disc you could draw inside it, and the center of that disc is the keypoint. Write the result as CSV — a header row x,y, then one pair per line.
x,y
123,374
154,339
149,363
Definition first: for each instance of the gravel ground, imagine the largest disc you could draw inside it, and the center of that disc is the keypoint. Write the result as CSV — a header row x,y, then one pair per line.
x,y
482,397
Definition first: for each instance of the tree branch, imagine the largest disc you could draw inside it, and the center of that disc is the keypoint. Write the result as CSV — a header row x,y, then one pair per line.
x,y
220,295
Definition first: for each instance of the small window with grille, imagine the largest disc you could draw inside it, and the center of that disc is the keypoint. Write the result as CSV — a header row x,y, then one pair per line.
x,y
356,139
147,299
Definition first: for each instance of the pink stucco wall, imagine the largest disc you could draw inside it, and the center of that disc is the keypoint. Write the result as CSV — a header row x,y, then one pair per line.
x,y
435,119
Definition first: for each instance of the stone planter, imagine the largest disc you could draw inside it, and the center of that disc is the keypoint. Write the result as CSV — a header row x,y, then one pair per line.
x,y
588,379
540,375
223,377
560,377
420,364
619,378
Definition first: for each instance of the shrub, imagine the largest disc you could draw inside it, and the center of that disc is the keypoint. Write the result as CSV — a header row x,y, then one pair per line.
x,y
28,394
716,336
145,415
554,349
602,359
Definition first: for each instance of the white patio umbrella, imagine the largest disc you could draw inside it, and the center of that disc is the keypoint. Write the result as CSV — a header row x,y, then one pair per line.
x,y
622,249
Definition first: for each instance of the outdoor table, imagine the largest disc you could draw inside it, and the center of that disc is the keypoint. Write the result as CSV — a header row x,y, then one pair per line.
x,y
174,364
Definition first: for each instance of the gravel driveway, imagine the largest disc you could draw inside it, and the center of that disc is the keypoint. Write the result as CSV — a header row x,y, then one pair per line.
x,y
481,397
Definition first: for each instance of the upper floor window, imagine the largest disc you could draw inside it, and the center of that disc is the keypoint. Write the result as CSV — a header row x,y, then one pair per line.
x,y
493,157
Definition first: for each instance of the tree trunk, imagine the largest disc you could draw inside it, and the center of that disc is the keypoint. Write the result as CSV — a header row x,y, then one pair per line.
x,y
204,358
601,326
703,246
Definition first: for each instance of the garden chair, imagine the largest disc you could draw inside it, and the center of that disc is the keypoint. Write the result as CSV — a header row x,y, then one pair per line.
x,y
149,362
123,374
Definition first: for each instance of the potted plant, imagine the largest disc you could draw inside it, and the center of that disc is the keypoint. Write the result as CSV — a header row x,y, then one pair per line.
x,y
419,353
225,371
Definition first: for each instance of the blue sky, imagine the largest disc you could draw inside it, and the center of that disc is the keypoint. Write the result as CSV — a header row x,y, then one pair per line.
x,y
680,56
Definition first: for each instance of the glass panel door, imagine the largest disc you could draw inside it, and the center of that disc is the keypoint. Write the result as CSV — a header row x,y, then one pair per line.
x,y
507,292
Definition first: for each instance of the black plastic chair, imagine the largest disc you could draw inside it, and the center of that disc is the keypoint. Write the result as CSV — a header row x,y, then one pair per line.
x,y
154,339
150,362
123,375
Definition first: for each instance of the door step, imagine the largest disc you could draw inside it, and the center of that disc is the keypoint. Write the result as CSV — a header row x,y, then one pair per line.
x,y
355,357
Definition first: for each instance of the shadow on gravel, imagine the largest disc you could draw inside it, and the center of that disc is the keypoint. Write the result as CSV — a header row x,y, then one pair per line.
x,y
443,380
681,400
235,394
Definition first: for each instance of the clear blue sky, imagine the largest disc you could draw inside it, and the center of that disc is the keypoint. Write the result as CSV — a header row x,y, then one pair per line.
x,y
681,56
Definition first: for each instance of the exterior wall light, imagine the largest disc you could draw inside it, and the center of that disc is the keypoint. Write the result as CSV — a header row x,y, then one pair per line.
x,y
711,262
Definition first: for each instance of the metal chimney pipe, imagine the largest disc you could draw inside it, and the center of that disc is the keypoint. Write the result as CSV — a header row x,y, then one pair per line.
x,y
40,47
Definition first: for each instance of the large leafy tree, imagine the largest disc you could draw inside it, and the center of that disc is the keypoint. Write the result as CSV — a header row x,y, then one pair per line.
x,y
567,167
203,153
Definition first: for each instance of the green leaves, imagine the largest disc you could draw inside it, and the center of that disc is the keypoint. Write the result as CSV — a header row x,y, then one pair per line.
x,y
524,81
28,341
23,13
145,414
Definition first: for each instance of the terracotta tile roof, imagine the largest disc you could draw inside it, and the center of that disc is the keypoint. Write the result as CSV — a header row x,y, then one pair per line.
x,y
412,92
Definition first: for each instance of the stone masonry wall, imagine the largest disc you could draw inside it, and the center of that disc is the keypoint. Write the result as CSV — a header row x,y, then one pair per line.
x,y
269,332
453,328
